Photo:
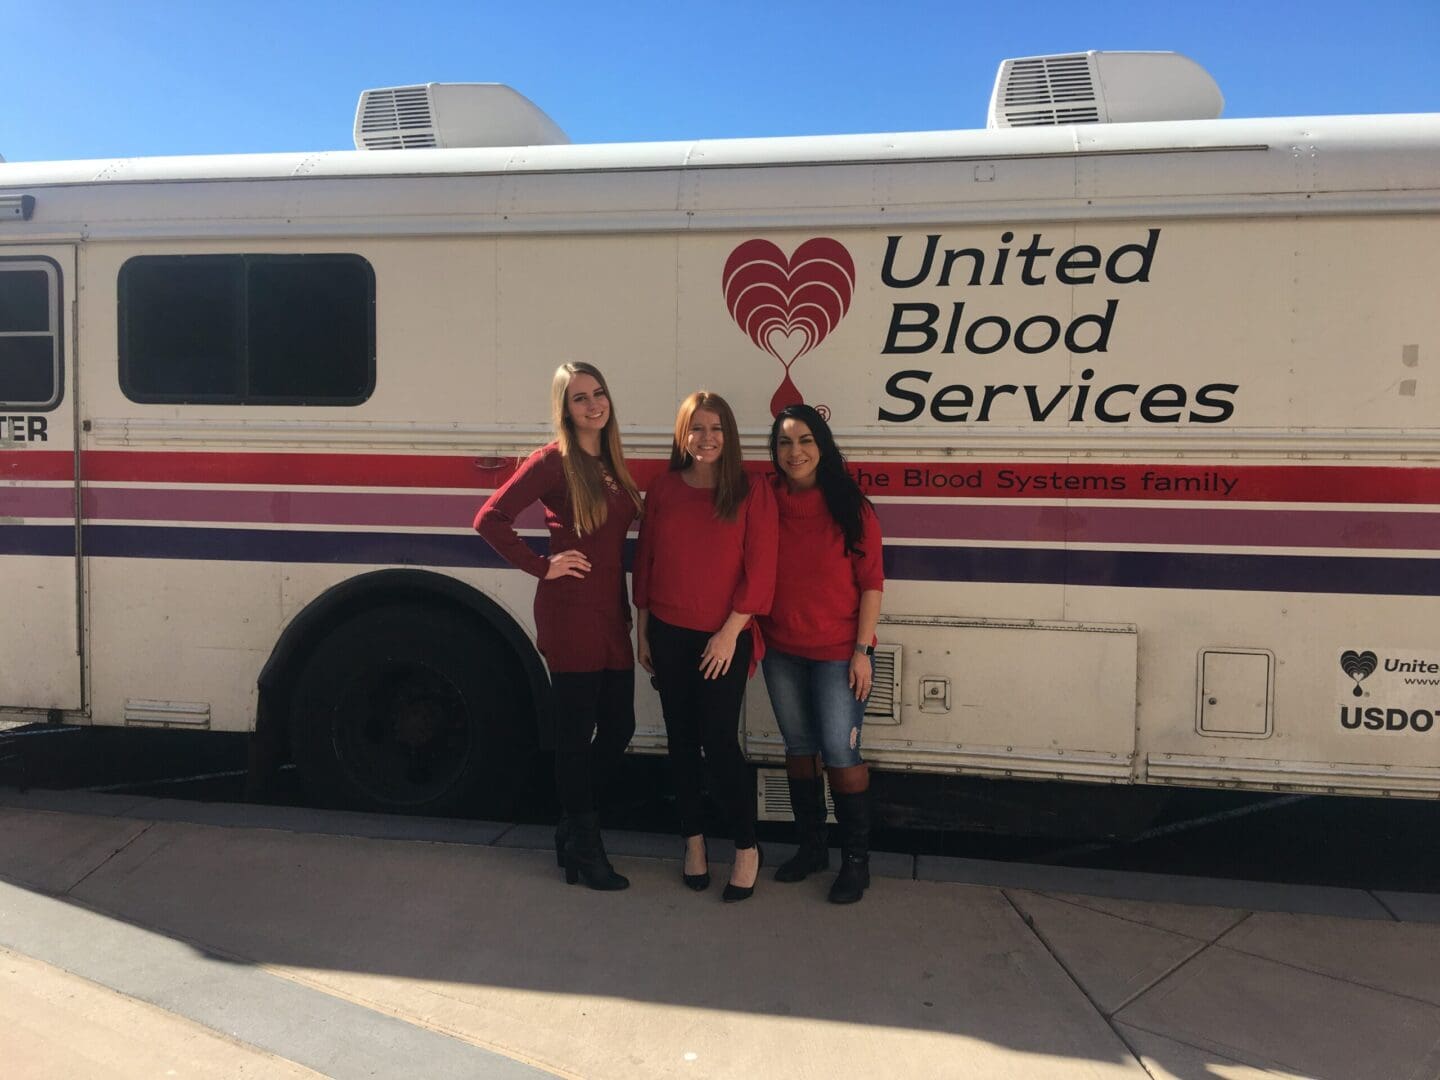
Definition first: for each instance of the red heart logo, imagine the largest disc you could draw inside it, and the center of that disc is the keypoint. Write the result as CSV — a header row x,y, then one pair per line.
x,y
787,307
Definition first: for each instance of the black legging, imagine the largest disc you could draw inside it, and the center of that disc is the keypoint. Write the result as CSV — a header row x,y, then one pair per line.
x,y
593,713
704,715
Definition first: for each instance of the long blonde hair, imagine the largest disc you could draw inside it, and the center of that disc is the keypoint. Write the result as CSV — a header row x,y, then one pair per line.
x,y
731,484
584,479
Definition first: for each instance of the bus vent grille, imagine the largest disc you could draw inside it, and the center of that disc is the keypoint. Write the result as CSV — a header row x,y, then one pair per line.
x,y
396,118
1048,90
773,797
883,706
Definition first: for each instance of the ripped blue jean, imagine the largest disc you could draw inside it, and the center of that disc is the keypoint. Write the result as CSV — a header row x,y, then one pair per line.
x,y
816,708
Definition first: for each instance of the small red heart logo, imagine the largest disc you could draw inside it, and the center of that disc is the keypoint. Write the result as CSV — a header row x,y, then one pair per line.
x,y
787,307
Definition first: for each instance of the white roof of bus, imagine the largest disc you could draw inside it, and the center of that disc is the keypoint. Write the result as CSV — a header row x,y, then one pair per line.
x,y
1366,134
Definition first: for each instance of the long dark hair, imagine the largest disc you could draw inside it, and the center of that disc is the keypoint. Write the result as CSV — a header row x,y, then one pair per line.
x,y
842,494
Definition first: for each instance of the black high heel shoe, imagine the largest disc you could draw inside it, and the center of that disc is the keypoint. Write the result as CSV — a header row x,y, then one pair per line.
x,y
733,894
698,882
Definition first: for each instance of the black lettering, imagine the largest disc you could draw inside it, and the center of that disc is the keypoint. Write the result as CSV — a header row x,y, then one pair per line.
x,y
1102,338
1374,718
1102,413
1037,412
1164,396
887,268
1080,257
1000,257
977,265
1052,327
958,396
17,428
925,328
1029,253
1082,393
1146,252
1224,407
1001,339
1422,719
1396,719
35,429
1345,720
957,312
917,401
991,393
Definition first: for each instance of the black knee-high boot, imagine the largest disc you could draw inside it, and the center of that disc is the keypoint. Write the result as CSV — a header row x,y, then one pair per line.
x,y
850,788
807,803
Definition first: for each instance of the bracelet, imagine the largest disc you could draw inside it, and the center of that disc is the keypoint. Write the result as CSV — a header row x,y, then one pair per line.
x,y
868,650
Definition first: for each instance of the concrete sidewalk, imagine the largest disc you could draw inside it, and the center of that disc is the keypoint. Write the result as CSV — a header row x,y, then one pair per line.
x,y
261,941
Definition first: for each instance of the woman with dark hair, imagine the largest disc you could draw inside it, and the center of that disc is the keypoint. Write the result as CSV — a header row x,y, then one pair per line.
x,y
820,636
705,566
582,616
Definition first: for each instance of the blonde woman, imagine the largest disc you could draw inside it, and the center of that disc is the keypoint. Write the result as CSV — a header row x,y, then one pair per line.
x,y
582,615
704,568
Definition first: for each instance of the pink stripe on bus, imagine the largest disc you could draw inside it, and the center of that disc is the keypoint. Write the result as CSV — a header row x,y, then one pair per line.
x,y
291,507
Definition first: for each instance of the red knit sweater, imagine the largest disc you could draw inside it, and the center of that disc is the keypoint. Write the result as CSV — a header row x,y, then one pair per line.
x,y
581,624
816,612
691,568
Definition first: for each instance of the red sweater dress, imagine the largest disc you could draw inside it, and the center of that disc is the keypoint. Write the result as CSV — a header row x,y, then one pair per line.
x,y
693,569
581,624
816,611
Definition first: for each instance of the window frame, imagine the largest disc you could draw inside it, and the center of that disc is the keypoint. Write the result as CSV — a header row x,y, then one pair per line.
x,y
56,332
243,398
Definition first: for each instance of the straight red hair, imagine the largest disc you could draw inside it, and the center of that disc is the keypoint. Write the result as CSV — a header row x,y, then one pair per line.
x,y
731,483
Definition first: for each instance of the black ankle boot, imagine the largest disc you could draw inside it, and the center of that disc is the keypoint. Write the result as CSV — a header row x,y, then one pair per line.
x,y
853,812
585,858
562,836
807,803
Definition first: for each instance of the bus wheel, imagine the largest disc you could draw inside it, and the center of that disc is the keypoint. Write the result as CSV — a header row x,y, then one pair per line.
x,y
410,709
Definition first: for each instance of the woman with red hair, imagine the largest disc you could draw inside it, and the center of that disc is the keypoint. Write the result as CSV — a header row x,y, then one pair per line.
x,y
705,567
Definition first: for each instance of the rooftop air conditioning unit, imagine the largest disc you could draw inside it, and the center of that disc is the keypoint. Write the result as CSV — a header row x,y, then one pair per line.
x,y
451,115
1100,88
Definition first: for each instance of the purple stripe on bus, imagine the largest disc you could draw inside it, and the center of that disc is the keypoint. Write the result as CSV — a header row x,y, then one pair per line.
x,y
1204,527
37,502
1343,574
1212,527
37,540
1056,566
1126,569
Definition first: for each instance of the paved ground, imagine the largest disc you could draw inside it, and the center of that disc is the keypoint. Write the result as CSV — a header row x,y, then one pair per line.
x,y
145,937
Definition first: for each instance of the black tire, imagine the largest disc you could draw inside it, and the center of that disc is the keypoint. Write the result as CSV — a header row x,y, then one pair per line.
x,y
411,709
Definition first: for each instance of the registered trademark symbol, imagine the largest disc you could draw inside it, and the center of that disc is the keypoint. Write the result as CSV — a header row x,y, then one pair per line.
x,y
824,411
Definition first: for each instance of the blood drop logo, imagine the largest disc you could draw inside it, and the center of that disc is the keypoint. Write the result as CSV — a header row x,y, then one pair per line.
x,y
787,307
1358,666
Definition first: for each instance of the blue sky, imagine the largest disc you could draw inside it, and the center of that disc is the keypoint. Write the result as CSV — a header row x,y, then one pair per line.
x,y
80,78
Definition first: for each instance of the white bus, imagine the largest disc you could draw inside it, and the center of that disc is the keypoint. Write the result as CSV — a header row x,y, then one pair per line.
x,y
1144,408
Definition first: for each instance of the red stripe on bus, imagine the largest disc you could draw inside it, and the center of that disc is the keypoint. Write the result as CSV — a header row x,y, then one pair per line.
x,y
1379,484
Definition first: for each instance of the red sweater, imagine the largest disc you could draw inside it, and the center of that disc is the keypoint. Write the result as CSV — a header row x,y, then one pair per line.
x,y
691,568
816,613
581,624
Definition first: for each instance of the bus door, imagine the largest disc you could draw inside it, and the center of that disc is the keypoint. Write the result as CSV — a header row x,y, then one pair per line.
x,y
40,662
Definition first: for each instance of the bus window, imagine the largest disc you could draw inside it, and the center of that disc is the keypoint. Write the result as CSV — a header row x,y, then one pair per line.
x,y
29,335
247,329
